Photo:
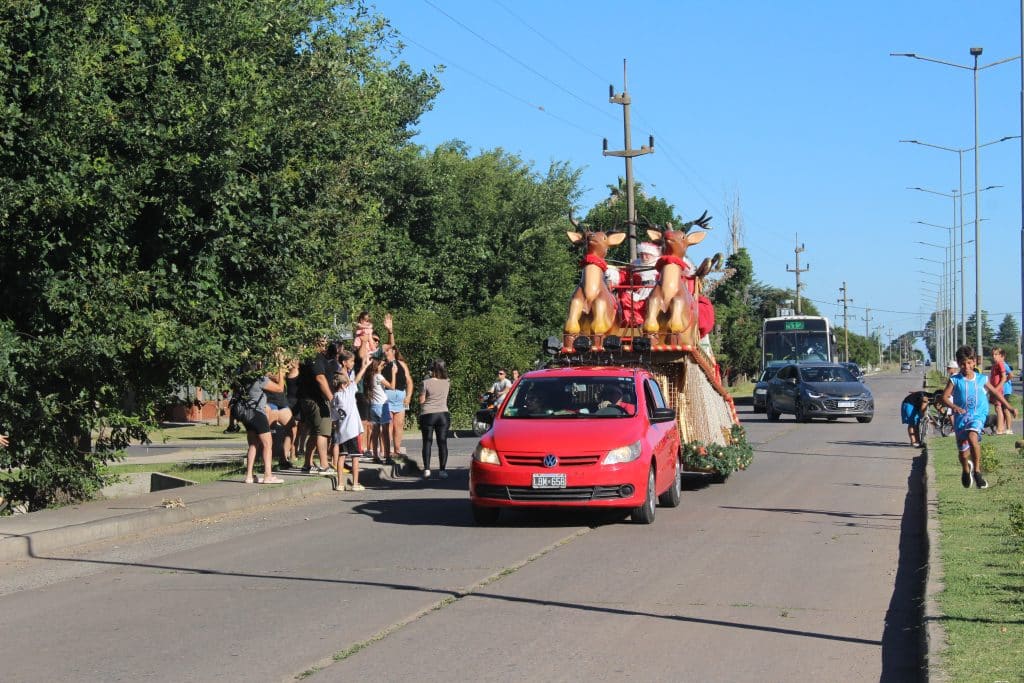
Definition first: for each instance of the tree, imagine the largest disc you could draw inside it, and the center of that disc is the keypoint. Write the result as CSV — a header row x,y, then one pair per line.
x,y
1009,336
988,336
737,320
177,181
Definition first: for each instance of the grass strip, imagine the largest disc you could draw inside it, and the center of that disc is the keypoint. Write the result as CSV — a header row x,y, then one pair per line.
x,y
982,546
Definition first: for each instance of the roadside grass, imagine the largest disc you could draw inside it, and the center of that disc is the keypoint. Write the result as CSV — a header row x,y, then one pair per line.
x,y
196,431
982,547
201,473
741,389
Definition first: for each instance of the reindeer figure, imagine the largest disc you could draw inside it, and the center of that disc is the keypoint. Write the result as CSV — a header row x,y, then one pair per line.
x,y
592,306
672,306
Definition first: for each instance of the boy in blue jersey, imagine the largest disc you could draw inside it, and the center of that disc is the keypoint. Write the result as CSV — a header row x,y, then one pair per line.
x,y
967,394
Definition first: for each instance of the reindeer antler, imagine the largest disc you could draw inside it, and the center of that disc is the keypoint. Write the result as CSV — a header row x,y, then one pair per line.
x,y
575,223
701,222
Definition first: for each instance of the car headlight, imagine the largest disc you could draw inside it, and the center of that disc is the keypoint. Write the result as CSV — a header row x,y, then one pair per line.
x,y
486,455
813,394
760,392
623,454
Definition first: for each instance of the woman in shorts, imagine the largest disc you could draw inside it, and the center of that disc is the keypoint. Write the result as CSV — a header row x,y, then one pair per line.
x,y
380,412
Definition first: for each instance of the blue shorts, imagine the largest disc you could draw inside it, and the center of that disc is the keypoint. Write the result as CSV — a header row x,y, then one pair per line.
x,y
966,424
379,414
909,414
396,400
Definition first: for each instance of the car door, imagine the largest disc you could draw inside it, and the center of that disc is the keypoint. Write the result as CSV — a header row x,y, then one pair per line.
x,y
664,435
782,398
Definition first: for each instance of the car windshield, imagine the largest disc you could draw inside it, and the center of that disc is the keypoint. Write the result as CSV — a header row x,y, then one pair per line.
x,y
571,397
768,374
826,374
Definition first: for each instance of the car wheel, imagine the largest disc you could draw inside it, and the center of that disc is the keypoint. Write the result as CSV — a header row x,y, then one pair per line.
x,y
485,516
773,415
799,414
645,513
864,419
672,496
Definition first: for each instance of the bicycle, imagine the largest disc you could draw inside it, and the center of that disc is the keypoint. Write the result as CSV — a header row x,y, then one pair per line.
x,y
937,417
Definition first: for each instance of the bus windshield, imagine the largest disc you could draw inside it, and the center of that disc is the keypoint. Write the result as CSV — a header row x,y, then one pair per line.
x,y
796,339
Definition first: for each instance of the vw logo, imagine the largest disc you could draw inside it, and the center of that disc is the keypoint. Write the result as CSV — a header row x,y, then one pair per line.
x,y
550,460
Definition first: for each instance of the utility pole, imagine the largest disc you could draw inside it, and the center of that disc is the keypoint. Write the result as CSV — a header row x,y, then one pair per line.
x,y
879,330
628,152
846,326
867,322
797,250
888,349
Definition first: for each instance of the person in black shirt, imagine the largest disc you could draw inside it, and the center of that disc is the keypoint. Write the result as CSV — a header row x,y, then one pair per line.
x,y
315,405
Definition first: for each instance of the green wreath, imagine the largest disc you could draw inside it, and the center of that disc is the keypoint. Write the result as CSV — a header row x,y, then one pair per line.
x,y
722,459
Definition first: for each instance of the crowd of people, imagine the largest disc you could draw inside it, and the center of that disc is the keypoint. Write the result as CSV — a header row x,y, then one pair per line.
x,y
339,406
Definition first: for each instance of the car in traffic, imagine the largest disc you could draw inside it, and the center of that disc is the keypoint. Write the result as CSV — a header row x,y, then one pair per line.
x,y
761,389
592,437
905,366
809,390
854,370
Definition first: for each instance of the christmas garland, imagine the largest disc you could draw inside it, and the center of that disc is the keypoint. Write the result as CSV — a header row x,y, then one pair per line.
x,y
721,459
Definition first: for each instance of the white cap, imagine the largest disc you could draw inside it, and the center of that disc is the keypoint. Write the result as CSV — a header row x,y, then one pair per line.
x,y
952,364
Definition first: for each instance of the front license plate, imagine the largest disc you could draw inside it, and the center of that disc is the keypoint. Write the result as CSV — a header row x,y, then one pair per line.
x,y
847,404
549,481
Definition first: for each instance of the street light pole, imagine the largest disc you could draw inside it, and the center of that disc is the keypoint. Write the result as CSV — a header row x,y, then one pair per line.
x,y
975,52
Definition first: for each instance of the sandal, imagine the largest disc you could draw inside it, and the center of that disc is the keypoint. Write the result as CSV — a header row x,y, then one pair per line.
x,y
271,480
248,480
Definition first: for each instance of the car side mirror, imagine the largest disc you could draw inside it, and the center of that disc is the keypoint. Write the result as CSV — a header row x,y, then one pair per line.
x,y
663,415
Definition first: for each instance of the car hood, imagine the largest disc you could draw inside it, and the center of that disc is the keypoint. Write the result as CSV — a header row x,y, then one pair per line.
x,y
545,435
840,389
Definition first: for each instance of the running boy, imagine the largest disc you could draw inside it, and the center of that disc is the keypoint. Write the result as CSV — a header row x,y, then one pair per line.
x,y
967,394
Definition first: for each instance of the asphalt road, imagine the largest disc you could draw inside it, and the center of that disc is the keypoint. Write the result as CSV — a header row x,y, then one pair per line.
x,y
803,568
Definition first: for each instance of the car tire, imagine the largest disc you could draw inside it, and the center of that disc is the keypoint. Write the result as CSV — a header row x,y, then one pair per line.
x,y
769,408
644,514
864,419
485,516
674,494
799,414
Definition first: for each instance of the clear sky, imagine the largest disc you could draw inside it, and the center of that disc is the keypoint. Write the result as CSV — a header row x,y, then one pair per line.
x,y
795,107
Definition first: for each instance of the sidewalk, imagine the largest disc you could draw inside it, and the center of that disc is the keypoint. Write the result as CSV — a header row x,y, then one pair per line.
x,y
47,531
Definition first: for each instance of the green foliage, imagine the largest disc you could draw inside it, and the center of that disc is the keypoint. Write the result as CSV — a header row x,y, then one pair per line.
x,y
473,347
724,460
737,321
174,179
1009,336
989,460
1016,520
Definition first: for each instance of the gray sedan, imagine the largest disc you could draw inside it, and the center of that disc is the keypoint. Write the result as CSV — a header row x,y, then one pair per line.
x,y
809,390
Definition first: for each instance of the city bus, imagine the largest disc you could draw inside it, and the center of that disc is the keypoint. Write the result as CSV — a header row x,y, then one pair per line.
x,y
796,338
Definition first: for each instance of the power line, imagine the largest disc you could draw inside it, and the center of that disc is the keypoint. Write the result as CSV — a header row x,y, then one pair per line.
x,y
499,88
521,62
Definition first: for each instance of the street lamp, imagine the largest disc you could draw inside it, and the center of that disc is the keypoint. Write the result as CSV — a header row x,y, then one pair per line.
x,y
962,259
975,52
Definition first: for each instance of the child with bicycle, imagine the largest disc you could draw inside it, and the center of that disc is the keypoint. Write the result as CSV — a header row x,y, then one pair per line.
x,y
912,412
967,394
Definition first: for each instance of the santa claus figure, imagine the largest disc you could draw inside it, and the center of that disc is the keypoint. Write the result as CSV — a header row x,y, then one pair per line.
x,y
634,284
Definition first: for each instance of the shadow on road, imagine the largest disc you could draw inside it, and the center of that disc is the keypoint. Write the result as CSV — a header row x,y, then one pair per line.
x,y
902,639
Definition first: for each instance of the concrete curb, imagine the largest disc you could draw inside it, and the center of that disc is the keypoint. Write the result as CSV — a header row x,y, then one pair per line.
x,y
933,634
23,546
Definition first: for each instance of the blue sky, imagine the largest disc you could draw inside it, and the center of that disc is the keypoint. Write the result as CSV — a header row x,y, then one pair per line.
x,y
795,107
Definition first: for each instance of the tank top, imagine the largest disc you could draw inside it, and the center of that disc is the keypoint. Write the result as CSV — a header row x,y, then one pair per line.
x,y
394,374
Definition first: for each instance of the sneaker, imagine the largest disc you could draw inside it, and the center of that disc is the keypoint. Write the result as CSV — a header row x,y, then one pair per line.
x,y
355,487
426,474
442,474
965,477
306,470
366,457
329,471
979,481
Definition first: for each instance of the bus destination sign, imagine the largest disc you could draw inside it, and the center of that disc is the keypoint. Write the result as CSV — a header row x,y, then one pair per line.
x,y
794,324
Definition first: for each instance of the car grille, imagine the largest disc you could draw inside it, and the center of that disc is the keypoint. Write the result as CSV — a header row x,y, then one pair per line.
x,y
833,404
572,493
537,459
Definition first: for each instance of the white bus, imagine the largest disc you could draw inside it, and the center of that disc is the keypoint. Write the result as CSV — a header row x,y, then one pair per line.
x,y
796,338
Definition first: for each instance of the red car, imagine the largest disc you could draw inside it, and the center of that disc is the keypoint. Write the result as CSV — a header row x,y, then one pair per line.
x,y
579,437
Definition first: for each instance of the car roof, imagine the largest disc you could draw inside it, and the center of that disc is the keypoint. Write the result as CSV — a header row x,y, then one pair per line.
x,y
585,370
